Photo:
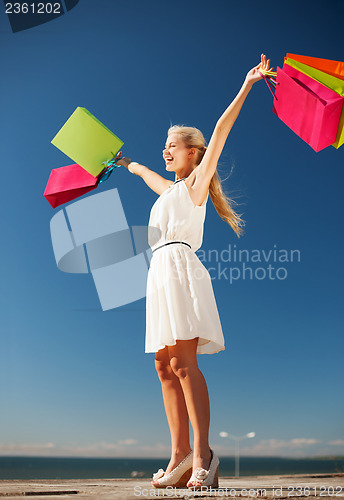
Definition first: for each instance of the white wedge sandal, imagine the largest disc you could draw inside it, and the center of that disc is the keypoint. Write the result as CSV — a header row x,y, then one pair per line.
x,y
204,477
178,477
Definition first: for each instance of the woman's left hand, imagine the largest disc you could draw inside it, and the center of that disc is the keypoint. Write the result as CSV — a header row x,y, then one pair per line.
x,y
253,75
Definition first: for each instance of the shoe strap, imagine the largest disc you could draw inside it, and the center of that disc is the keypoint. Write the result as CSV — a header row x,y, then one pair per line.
x,y
158,474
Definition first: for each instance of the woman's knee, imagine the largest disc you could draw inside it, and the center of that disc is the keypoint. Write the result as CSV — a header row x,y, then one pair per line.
x,y
182,368
183,362
183,358
162,365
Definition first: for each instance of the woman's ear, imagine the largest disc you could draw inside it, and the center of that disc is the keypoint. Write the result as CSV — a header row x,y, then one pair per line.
x,y
192,152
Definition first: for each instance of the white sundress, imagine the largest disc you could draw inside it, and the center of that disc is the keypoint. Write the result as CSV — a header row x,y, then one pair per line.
x,y
180,302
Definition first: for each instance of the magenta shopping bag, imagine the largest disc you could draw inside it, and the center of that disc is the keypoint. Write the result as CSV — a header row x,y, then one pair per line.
x,y
67,183
307,107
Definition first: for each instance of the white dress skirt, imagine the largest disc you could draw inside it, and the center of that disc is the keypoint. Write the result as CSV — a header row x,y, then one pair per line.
x,y
180,302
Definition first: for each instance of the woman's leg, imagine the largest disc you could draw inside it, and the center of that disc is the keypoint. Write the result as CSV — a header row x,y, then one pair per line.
x,y
183,361
175,407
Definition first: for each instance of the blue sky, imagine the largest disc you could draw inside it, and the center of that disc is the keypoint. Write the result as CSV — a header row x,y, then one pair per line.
x,y
74,380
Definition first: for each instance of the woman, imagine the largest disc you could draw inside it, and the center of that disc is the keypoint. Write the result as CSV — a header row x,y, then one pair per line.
x,y
182,318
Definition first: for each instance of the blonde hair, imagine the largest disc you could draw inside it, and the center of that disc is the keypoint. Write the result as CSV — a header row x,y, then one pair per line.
x,y
194,138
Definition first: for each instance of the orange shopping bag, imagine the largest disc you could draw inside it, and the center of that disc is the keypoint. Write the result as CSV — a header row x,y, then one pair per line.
x,y
333,68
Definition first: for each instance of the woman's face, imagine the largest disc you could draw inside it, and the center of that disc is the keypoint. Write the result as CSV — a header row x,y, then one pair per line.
x,y
176,155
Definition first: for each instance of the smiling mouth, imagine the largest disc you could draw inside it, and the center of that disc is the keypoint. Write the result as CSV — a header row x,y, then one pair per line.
x,y
168,160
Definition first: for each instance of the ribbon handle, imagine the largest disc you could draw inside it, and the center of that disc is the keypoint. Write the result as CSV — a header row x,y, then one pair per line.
x,y
268,75
108,169
267,72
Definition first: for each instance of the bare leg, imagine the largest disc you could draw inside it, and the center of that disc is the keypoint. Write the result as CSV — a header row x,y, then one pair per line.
x,y
175,408
183,361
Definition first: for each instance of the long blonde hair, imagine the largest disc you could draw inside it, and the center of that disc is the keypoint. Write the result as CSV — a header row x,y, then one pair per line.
x,y
194,138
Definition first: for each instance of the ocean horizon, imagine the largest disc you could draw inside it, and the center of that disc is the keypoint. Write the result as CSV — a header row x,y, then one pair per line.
x,y
27,467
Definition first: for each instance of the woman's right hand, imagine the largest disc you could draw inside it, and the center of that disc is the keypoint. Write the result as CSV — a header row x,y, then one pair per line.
x,y
253,75
122,161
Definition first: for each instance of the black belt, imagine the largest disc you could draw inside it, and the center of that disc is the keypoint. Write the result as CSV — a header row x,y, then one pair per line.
x,y
170,243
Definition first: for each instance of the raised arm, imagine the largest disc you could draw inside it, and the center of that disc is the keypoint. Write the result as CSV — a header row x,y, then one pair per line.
x,y
206,169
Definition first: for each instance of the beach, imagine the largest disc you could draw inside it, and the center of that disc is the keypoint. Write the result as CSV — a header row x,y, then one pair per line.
x,y
267,486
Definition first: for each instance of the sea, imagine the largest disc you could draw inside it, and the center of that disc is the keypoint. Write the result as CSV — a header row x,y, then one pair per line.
x,y
105,468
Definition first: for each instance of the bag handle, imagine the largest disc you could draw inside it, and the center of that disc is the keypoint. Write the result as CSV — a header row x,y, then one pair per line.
x,y
108,169
269,78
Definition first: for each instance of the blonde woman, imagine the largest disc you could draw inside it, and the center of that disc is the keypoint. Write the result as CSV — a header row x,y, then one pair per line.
x,y
182,318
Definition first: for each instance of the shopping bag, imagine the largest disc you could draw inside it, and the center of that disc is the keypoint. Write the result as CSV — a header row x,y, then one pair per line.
x,y
67,183
331,82
87,141
307,107
334,68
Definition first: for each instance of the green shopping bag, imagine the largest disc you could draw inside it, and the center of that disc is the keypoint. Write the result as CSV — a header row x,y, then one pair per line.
x,y
331,82
87,141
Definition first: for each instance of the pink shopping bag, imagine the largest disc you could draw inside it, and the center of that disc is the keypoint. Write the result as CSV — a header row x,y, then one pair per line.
x,y
67,183
307,107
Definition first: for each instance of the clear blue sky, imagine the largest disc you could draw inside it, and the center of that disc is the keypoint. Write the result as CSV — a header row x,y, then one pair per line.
x,y
74,380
